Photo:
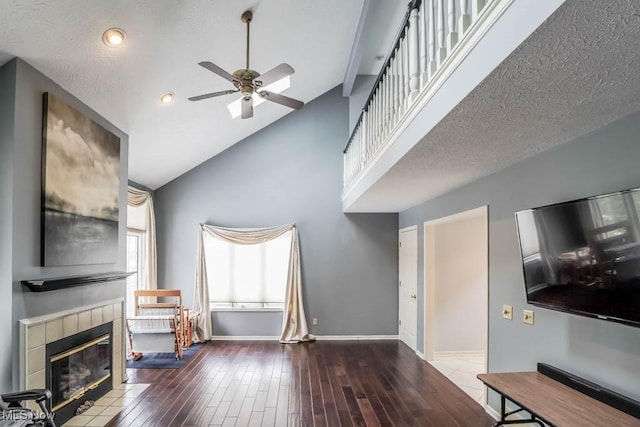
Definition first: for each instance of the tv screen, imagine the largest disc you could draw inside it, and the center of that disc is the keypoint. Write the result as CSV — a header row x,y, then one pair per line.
x,y
583,256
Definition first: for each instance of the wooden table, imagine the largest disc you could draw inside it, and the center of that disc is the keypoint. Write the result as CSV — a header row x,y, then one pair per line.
x,y
552,402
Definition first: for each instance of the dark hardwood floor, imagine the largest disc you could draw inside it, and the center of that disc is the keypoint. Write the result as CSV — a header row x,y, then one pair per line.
x,y
338,383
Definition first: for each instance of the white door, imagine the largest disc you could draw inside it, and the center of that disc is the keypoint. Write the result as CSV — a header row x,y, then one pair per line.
x,y
408,279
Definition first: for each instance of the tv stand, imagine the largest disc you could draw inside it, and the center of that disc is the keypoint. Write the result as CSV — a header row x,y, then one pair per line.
x,y
558,398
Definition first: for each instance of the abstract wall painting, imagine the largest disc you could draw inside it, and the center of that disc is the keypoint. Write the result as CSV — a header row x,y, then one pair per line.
x,y
80,188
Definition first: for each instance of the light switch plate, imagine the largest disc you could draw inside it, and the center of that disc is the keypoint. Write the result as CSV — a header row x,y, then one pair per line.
x,y
527,317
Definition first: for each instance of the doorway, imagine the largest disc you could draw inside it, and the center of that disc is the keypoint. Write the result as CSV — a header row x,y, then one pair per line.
x,y
407,286
456,275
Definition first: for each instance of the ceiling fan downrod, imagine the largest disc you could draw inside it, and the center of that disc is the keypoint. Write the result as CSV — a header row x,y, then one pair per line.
x,y
246,17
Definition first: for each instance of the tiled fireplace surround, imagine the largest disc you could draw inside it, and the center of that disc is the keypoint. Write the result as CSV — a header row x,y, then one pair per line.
x,y
37,332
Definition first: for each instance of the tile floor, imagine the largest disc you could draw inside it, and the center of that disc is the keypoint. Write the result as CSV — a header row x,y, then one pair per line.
x,y
107,406
462,372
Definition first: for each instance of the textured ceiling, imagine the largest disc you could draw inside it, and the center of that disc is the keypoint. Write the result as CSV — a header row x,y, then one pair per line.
x,y
165,41
579,71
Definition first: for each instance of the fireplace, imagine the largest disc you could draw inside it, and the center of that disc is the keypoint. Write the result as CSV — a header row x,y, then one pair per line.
x,y
79,369
38,334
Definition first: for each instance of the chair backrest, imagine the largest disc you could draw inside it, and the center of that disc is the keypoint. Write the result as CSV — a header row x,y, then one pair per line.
x,y
169,300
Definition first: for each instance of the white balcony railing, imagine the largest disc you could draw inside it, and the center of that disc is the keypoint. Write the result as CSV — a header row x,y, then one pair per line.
x,y
428,48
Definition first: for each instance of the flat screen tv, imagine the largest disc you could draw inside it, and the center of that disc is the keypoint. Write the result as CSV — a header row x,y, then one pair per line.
x,y
583,256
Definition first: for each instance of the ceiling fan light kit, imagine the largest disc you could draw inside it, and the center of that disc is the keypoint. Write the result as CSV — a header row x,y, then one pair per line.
x,y
249,82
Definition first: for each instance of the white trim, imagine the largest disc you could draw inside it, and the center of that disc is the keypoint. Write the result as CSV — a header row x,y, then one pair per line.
x,y
251,309
354,337
318,338
243,338
463,353
421,355
60,314
409,228
494,414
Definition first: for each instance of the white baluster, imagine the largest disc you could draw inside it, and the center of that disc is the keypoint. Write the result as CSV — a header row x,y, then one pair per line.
x,y
407,72
465,18
381,112
441,54
376,117
385,103
394,89
433,64
387,97
401,84
412,36
374,123
452,37
476,8
365,132
424,39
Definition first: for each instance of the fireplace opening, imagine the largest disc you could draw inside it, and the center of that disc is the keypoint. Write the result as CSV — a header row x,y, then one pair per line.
x,y
79,369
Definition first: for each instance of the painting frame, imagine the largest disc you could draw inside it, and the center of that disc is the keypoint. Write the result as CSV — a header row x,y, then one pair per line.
x,y
80,192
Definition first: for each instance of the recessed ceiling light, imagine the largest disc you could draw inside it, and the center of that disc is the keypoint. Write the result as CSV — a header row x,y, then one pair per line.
x,y
113,37
167,97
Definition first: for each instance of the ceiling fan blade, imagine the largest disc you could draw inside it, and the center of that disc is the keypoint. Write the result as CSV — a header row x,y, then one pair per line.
x,y
281,99
212,95
275,74
219,71
247,108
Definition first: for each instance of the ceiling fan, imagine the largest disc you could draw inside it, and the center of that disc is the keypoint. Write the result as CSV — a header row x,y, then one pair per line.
x,y
247,81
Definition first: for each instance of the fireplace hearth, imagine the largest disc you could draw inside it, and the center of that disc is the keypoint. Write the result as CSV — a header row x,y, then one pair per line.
x,y
79,369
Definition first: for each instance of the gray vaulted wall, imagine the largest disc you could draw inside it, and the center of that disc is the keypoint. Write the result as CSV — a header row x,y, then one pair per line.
x,y
603,161
7,117
24,194
289,172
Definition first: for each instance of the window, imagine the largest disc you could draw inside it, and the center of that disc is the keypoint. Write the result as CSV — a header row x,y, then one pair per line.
x,y
135,246
247,276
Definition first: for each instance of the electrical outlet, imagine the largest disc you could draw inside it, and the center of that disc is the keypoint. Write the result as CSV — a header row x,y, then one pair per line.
x,y
527,317
507,311
315,321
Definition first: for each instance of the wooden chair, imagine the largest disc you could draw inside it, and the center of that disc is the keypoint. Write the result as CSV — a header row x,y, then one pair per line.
x,y
157,326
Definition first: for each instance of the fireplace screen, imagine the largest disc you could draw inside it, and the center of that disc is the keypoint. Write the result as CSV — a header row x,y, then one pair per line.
x,y
76,371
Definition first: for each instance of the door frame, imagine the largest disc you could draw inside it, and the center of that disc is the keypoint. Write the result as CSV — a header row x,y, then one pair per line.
x,y
429,246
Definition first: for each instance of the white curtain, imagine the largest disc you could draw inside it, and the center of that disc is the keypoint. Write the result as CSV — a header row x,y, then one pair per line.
x,y
294,322
140,209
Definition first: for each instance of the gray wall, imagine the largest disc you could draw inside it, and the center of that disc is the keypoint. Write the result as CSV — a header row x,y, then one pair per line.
x,y
290,172
600,162
26,188
359,94
8,89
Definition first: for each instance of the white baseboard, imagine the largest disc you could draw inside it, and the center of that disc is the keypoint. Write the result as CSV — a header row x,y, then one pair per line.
x,y
421,355
465,353
243,338
318,338
494,414
355,337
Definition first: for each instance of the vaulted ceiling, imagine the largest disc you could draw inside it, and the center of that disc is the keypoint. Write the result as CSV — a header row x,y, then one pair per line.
x,y
165,39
